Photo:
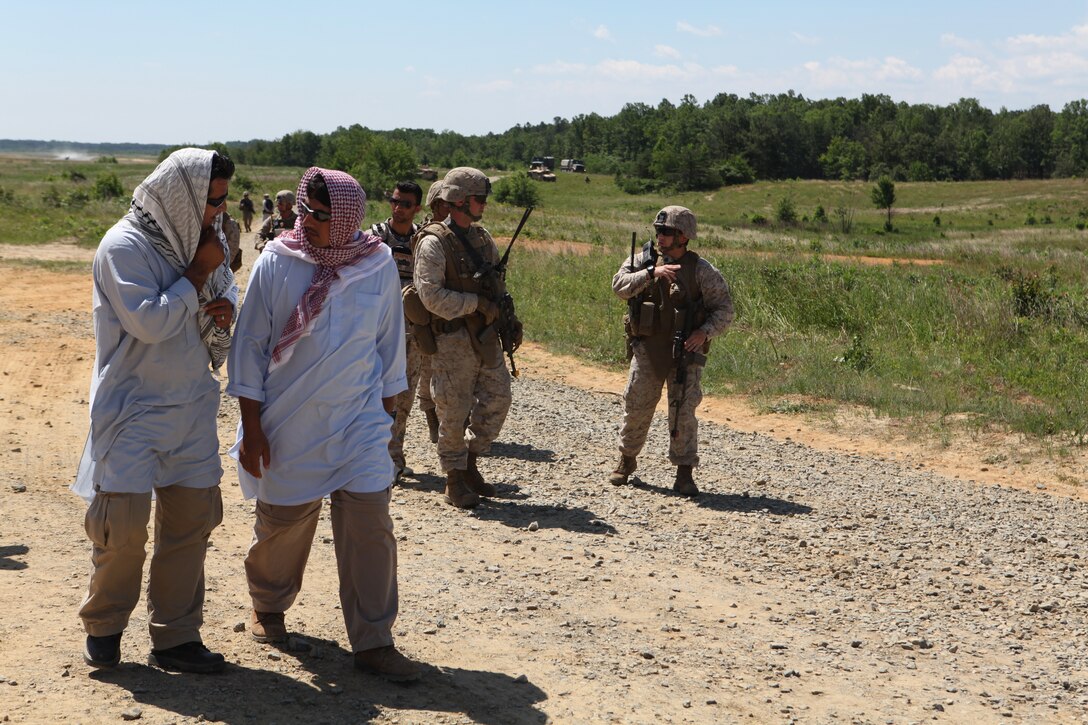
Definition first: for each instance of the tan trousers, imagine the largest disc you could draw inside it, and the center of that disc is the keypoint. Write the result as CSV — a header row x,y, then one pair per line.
x,y
640,399
461,385
117,526
414,363
366,561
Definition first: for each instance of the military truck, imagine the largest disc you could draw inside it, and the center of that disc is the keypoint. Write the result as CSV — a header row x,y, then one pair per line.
x,y
540,172
572,165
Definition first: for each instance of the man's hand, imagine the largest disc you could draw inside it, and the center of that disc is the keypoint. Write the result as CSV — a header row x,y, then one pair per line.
x,y
668,271
519,334
254,451
221,311
488,309
209,255
695,340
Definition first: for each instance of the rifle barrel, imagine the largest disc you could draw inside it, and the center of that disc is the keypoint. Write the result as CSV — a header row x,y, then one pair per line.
x,y
506,254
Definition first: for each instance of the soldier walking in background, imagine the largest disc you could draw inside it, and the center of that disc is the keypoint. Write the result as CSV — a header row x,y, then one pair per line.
x,y
282,221
266,208
470,378
246,207
677,303
397,232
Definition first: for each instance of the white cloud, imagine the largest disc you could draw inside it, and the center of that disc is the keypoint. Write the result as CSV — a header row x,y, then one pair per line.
x,y
496,86
409,69
806,39
1077,37
867,73
666,51
708,32
954,41
602,33
559,67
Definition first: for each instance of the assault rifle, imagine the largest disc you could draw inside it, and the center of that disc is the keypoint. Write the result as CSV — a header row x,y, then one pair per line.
x,y
492,280
684,311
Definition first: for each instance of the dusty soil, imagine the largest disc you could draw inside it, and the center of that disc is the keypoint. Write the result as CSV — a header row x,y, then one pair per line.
x,y
837,569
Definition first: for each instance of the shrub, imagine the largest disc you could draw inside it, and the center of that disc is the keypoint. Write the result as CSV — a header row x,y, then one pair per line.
x,y
820,215
107,159
845,217
517,190
736,170
858,356
107,186
785,212
243,182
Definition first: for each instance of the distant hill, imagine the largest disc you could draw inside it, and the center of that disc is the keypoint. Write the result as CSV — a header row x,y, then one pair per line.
x,y
75,149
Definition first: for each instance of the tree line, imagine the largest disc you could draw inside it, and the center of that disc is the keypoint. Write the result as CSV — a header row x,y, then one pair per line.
x,y
727,140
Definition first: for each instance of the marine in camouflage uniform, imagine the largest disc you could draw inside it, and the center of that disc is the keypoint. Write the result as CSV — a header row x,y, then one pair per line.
x,y
678,297
284,219
470,379
397,231
440,210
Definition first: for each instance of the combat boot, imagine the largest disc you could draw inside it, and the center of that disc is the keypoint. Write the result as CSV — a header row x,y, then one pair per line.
x,y
684,483
624,469
432,424
475,480
457,493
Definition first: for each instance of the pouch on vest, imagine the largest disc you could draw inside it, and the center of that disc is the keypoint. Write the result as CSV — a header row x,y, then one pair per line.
x,y
402,255
414,310
647,319
424,337
484,340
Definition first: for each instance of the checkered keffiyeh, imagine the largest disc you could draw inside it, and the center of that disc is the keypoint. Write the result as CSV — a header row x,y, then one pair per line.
x,y
348,246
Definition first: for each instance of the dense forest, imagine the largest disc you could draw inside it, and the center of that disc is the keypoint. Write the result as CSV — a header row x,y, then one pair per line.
x,y
727,140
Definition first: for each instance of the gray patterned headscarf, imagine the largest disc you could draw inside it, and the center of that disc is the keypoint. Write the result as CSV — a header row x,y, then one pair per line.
x,y
168,206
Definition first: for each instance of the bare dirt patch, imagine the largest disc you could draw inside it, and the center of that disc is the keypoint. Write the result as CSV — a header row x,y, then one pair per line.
x,y
834,570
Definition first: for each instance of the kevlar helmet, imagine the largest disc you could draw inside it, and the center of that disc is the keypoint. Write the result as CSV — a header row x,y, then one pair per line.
x,y
679,218
463,182
433,192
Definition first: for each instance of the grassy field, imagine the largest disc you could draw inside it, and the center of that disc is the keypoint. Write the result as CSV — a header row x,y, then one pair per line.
x,y
973,310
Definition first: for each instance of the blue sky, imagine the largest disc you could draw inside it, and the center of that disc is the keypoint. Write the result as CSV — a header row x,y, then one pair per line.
x,y
199,72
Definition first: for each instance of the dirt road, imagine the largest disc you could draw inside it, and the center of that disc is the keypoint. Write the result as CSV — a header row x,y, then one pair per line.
x,y
834,573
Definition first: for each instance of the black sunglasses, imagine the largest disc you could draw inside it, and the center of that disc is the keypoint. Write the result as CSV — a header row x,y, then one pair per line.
x,y
217,201
402,203
321,216
665,231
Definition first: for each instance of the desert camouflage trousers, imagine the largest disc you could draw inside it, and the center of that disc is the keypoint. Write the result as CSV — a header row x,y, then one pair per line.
x,y
640,398
418,371
462,387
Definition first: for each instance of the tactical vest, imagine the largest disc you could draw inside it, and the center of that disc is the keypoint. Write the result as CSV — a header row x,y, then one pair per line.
x,y
401,248
671,304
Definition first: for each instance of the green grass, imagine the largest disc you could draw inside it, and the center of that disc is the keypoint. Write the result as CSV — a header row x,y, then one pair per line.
x,y
995,334
904,341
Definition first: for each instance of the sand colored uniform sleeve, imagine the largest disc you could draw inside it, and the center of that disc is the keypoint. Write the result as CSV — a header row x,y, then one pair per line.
x,y
716,298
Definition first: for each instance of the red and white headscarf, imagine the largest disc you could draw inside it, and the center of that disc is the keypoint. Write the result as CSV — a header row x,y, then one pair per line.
x,y
348,257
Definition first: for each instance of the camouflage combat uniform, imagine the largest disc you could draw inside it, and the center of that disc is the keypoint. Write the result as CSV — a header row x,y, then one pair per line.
x,y
272,227
651,359
415,360
467,378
